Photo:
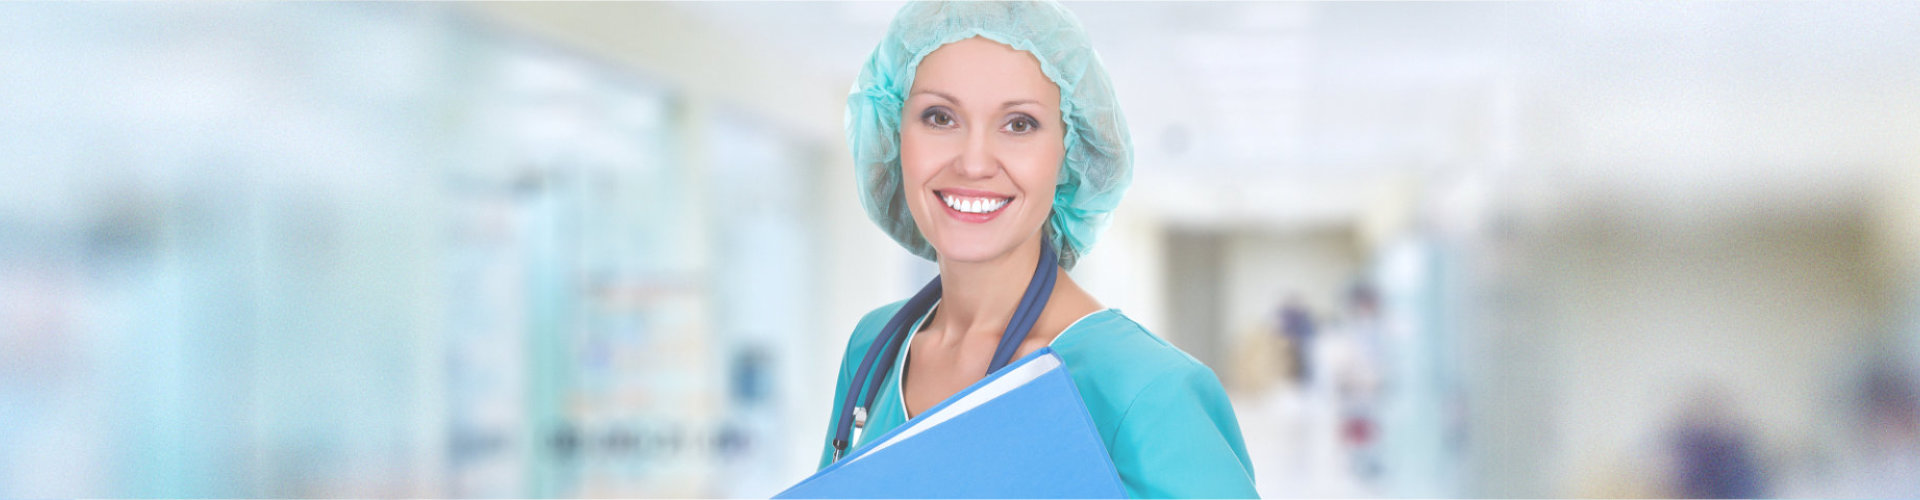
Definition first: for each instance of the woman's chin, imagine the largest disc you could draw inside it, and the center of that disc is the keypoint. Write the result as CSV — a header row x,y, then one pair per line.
x,y
977,251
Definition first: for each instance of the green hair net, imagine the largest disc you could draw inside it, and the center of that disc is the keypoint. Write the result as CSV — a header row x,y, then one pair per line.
x,y
1098,165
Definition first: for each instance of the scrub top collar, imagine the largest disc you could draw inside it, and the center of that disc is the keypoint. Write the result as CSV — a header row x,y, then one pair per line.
x,y
899,364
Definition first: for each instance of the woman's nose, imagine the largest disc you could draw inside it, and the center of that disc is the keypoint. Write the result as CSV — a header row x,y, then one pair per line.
x,y
977,161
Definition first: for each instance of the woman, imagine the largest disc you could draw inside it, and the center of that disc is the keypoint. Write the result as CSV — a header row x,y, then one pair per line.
x,y
986,137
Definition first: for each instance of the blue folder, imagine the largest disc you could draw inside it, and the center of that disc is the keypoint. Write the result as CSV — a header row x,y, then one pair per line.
x,y
1021,433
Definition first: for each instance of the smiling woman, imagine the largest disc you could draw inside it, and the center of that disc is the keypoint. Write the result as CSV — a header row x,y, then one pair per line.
x,y
986,137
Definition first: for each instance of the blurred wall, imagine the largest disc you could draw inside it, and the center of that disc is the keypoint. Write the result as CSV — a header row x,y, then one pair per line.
x,y
714,71
1767,312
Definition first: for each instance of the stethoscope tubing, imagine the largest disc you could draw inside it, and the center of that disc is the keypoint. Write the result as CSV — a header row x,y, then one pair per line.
x,y
887,345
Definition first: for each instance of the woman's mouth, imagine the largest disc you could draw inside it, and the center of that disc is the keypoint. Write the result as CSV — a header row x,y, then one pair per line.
x,y
972,207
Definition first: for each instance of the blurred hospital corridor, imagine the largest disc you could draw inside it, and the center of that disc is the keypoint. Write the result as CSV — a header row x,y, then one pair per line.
x,y
556,249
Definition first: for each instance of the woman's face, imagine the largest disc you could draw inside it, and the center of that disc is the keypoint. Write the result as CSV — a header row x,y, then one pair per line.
x,y
981,141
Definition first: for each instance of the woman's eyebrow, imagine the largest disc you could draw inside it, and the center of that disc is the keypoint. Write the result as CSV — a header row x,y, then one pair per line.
x,y
942,95
956,102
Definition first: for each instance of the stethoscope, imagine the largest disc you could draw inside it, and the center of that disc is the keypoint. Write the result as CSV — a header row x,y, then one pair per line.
x,y
853,411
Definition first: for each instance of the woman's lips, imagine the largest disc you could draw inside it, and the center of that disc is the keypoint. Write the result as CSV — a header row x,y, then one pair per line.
x,y
967,205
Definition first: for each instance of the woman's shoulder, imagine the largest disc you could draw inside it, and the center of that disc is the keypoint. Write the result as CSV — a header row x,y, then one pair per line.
x,y
1113,337
874,320
1163,415
1121,359
869,328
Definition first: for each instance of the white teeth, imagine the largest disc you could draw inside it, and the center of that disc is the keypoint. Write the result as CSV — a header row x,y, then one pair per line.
x,y
974,205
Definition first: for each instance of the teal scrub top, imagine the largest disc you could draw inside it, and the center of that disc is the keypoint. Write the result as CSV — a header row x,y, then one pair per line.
x,y
1164,416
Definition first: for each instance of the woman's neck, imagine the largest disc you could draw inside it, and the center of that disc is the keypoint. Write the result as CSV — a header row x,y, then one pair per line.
x,y
981,296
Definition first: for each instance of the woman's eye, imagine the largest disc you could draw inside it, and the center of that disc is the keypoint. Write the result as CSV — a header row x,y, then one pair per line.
x,y
1022,125
937,118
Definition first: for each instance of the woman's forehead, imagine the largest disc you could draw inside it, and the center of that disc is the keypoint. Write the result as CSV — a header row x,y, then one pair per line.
x,y
978,72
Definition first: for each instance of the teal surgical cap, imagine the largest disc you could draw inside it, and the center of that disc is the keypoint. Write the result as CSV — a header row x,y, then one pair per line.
x,y
1099,162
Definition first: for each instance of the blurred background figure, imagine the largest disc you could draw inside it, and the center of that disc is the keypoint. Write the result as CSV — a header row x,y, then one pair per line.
x,y
1297,327
559,249
1714,451
1887,432
1357,367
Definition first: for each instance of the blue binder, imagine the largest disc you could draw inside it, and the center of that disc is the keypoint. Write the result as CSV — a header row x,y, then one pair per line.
x,y
1021,433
